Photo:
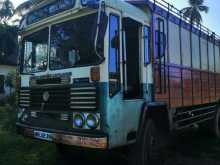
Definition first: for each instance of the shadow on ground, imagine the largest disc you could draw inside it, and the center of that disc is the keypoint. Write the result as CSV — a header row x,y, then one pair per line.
x,y
192,148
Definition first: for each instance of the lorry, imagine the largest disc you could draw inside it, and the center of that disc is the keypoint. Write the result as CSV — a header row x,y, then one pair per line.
x,y
105,74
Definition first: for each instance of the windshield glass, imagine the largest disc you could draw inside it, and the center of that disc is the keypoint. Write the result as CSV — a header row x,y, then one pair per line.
x,y
35,50
72,43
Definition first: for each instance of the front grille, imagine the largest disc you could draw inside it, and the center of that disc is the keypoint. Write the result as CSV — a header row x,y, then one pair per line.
x,y
59,99
83,98
24,97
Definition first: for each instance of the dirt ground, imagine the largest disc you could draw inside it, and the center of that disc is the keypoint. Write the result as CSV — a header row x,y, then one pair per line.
x,y
194,148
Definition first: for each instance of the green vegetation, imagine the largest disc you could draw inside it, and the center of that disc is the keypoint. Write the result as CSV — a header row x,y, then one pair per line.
x,y
194,10
8,42
6,11
10,80
15,149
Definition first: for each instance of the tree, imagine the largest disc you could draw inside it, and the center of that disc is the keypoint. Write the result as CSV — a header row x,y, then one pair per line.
x,y
10,80
6,11
194,10
8,42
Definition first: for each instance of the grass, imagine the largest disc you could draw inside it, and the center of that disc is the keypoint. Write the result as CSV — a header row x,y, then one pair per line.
x,y
15,149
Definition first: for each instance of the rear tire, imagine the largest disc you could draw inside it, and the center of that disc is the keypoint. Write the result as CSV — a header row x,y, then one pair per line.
x,y
149,148
216,129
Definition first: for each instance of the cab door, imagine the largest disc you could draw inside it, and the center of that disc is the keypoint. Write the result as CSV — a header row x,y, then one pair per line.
x,y
133,88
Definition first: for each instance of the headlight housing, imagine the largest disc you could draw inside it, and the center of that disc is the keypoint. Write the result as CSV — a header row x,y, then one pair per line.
x,y
92,121
88,121
79,120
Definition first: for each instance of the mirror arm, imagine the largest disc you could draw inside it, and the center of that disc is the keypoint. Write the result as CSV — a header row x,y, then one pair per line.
x,y
97,31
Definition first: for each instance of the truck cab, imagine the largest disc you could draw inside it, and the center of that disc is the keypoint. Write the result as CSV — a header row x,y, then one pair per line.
x,y
85,72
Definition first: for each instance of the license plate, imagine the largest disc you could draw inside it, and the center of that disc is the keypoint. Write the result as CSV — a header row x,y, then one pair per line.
x,y
42,135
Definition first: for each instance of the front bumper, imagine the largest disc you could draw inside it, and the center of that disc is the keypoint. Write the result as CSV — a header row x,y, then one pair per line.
x,y
85,141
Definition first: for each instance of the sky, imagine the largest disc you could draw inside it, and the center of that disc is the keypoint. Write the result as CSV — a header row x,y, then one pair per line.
x,y
210,20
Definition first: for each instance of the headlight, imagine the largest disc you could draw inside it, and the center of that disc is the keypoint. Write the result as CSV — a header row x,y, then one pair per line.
x,y
79,120
92,121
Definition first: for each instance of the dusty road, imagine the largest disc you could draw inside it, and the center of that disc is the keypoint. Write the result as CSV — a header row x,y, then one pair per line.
x,y
191,149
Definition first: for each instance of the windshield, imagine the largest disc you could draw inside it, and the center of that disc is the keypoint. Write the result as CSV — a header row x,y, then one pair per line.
x,y
35,50
72,43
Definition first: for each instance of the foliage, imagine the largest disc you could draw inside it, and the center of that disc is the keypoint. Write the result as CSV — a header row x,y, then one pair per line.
x,y
10,79
6,11
15,149
8,42
194,10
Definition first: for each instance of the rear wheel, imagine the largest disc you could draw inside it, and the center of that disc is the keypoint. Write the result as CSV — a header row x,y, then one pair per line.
x,y
149,148
216,129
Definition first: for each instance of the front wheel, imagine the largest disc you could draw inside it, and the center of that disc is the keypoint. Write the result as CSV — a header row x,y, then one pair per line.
x,y
149,148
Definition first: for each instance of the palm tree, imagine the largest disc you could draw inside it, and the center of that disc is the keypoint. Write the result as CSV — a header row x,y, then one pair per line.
x,y
194,10
6,11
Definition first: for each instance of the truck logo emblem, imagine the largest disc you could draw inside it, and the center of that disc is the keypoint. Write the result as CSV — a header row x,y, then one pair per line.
x,y
46,96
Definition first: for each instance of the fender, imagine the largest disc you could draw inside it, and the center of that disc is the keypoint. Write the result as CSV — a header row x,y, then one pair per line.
x,y
157,111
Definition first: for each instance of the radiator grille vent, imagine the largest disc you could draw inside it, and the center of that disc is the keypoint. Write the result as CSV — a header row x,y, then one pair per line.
x,y
83,98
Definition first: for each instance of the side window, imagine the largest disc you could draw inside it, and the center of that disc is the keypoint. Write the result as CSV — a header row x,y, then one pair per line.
x,y
217,58
2,83
160,39
146,45
204,56
114,58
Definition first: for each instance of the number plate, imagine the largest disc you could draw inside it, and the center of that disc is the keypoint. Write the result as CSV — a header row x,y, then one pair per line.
x,y
42,135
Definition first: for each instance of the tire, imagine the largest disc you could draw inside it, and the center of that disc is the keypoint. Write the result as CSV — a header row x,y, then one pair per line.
x,y
216,128
149,148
